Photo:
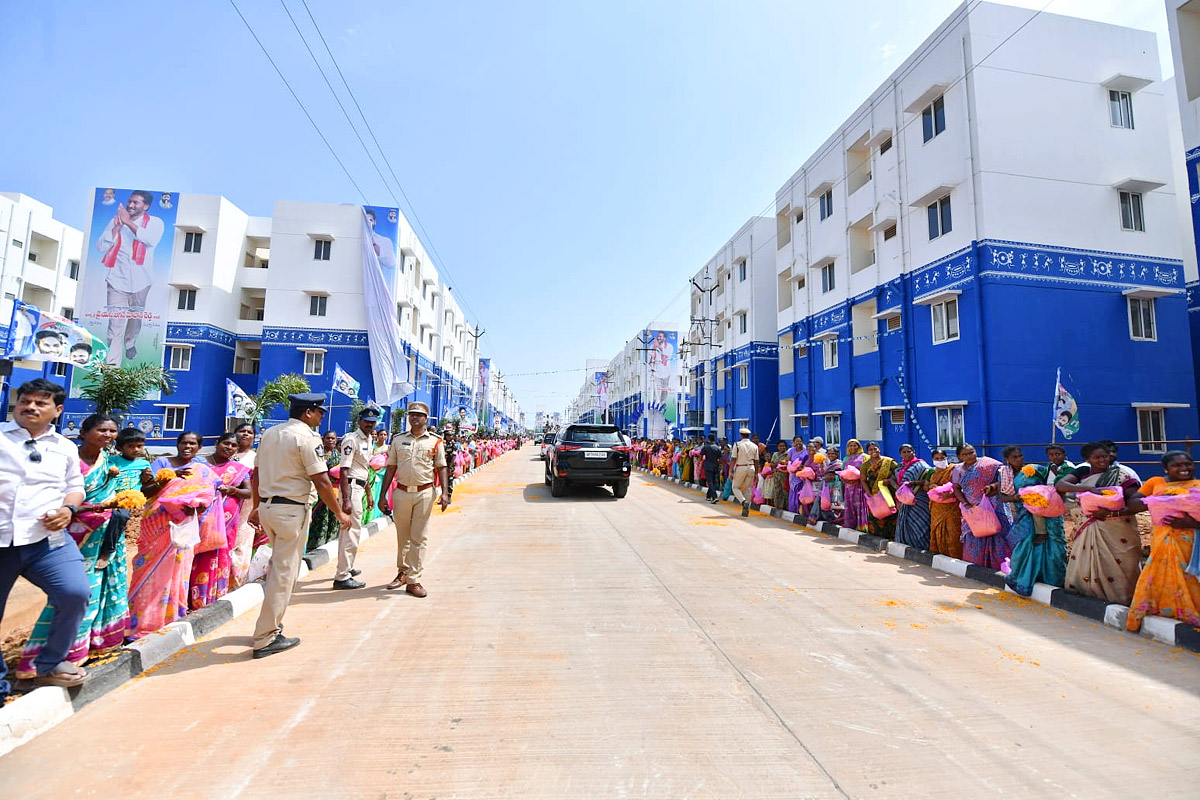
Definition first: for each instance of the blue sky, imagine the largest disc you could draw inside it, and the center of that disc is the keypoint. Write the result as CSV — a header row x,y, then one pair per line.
x,y
572,164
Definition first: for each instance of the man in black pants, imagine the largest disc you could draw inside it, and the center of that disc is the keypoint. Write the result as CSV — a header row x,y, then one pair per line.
x,y
712,468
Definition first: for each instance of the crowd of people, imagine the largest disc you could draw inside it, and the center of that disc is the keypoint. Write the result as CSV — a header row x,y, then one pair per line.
x,y
1006,515
66,509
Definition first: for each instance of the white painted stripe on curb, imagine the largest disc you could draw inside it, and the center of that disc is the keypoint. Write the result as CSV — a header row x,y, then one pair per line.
x,y
790,516
31,715
849,535
165,642
1160,629
1115,615
245,598
896,549
1041,592
954,566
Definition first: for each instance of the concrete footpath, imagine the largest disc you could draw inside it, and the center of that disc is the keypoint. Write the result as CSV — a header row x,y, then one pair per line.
x,y
40,710
1161,629
652,646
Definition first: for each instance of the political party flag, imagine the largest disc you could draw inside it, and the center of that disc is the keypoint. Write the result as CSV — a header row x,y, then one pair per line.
x,y
1066,410
343,382
41,336
237,402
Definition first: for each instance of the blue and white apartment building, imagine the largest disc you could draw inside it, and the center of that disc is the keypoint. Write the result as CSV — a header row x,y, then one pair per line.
x,y
999,209
252,298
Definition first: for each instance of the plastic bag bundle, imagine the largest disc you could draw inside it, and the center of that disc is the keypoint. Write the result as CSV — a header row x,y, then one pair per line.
x,y
881,504
1109,498
850,474
943,494
906,495
826,498
981,519
1044,501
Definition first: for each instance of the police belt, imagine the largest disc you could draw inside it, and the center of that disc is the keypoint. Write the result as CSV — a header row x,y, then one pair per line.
x,y
359,481
284,501
411,489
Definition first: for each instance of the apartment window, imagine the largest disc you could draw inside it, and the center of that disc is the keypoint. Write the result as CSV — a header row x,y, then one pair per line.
x,y
244,365
892,324
181,358
741,323
827,204
1131,212
68,313
73,270
939,217
317,305
800,284
889,232
741,272
833,430
33,257
885,145
1142,326
802,420
830,355
945,320
314,362
897,414
60,369
1151,431
1120,109
802,351
743,377
950,430
799,216
18,243
191,242
176,418
827,278
187,299
321,248
933,118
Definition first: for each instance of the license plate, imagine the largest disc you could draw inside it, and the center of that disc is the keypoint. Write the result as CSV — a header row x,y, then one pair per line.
x,y
595,454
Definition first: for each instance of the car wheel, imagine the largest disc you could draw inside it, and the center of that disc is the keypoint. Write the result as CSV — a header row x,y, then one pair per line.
x,y
620,488
558,487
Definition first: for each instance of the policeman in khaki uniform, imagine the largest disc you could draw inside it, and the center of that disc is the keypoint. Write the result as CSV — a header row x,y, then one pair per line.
x,y
744,459
412,459
352,487
290,463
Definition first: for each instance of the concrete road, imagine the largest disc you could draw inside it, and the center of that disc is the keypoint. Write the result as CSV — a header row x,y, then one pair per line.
x,y
653,646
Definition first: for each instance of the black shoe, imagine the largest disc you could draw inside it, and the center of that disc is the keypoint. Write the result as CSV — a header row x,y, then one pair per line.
x,y
745,508
277,645
349,583
354,573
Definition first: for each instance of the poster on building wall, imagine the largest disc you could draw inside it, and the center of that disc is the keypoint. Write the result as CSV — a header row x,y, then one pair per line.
x,y
481,396
662,407
390,372
539,420
601,392
125,286
385,237
151,425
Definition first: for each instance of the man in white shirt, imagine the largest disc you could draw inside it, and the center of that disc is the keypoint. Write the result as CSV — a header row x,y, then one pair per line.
x,y
744,458
128,247
385,248
41,489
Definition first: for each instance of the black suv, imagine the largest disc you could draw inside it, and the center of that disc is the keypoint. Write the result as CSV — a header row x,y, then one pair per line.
x,y
589,455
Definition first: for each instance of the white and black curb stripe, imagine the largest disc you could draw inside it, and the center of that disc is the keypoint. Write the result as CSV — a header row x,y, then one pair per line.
x,y
1160,629
40,710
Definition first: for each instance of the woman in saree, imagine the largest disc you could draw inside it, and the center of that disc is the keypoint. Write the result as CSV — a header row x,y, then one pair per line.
x,y
775,486
103,625
828,479
797,459
234,492
945,519
1039,549
375,474
1165,588
324,525
245,444
1107,548
208,579
877,471
686,472
913,522
975,478
158,591
854,496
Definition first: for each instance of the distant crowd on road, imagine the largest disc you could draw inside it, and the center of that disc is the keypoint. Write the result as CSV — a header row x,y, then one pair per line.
x,y
69,509
1006,515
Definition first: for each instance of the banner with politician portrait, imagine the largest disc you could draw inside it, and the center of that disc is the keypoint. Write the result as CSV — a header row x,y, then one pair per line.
x,y
41,336
481,390
125,287
385,239
663,373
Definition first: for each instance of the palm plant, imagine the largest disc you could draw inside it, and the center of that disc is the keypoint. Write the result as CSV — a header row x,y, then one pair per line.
x,y
117,390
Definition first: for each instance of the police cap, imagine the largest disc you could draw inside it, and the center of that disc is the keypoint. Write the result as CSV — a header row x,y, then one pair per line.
x,y
306,400
418,408
369,414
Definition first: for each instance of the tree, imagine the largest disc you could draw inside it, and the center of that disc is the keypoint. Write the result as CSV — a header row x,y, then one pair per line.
x,y
275,392
117,390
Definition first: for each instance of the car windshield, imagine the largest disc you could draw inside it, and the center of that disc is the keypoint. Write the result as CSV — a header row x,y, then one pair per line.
x,y
605,436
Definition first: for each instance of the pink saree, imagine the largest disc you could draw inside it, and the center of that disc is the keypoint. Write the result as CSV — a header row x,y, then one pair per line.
x,y
212,570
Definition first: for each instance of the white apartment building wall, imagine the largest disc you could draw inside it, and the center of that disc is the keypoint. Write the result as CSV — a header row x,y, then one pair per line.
x,y
38,255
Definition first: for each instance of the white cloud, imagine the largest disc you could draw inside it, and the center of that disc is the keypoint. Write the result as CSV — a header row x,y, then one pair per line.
x,y
887,51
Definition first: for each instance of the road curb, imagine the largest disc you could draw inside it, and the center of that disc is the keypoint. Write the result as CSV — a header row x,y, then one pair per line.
x,y
1161,629
36,712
